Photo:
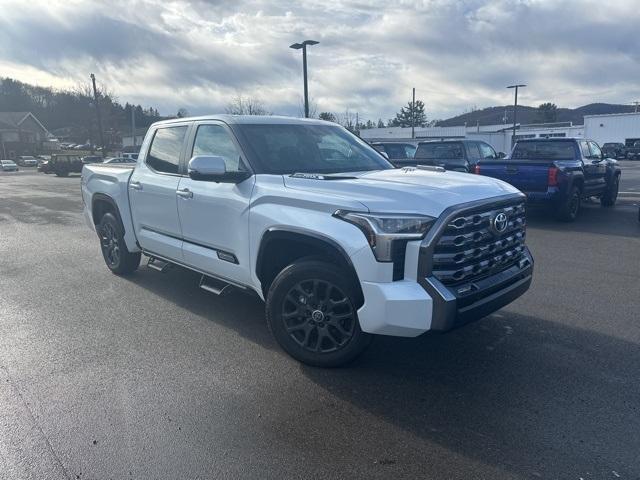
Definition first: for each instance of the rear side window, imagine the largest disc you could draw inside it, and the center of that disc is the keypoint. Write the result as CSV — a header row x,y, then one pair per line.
x,y
164,153
544,151
395,150
432,151
486,151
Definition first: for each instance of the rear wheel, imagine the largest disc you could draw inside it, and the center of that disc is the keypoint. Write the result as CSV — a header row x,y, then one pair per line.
x,y
114,250
311,312
568,211
62,172
611,195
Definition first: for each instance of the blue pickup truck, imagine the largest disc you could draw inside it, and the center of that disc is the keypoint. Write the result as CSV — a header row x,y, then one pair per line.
x,y
558,172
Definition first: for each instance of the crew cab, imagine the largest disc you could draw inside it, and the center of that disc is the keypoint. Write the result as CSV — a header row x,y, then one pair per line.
x,y
457,155
632,148
558,172
338,243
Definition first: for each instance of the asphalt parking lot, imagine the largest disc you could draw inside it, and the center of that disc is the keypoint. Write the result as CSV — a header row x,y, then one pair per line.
x,y
103,377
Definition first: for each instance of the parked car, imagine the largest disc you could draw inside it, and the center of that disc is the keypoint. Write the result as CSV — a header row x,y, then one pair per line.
x,y
457,155
116,160
27,161
398,153
131,156
44,166
614,150
338,243
632,147
8,166
64,164
558,172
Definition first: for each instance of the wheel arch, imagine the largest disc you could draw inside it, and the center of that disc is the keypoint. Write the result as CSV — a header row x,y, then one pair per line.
x,y
101,204
280,247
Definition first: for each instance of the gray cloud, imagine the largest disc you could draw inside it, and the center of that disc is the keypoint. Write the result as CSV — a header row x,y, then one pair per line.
x,y
458,54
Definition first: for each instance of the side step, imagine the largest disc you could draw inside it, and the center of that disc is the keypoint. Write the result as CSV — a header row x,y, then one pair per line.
x,y
215,286
158,265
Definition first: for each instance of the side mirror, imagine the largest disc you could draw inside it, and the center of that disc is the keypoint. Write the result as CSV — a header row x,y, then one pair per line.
x,y
212,168
501,155
384,154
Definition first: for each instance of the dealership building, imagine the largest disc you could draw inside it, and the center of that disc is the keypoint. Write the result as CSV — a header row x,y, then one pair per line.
x,y
615,127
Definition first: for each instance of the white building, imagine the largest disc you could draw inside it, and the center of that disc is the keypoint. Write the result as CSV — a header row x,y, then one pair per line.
x,y
618,127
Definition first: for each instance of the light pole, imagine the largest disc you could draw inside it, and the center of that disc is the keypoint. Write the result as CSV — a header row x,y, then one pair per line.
x,y
515,112
303,46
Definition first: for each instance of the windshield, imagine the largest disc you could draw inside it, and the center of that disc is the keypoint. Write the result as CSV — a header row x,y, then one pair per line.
x,y
544,150
290,148
439,150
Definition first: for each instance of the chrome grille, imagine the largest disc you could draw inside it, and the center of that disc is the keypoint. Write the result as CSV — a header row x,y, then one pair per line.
x,y
470,248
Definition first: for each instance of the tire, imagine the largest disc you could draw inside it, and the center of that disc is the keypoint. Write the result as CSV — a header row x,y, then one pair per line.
x,y
611,195
114,250
62,173
568,211
311,312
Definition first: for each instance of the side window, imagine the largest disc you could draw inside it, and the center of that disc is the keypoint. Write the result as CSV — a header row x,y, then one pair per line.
x,y
596,153
486,151
395,150
410,151
215,140
584,148
164,153
472,151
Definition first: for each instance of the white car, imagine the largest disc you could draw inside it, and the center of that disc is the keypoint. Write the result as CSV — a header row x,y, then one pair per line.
x,y
8,166
27,161
339,244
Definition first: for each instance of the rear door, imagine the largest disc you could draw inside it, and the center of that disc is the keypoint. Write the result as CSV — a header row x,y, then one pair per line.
x,y
599,180
152,193
590,167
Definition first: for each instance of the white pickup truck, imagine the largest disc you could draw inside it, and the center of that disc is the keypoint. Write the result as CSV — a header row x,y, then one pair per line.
x,y
338,243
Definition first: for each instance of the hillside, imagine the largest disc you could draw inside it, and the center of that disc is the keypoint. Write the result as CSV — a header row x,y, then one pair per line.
x,y
526,114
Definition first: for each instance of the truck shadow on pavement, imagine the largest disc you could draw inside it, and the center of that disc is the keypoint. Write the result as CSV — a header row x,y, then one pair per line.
x,y
526,395
523,394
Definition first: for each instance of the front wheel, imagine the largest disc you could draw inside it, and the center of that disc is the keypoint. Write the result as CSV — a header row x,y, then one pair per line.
x,y
311,311
611,195
114,250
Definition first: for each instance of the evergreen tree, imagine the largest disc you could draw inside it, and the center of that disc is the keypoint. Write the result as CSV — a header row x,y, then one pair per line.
x,y
411,115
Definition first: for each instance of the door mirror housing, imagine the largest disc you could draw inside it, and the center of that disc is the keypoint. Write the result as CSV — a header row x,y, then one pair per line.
x,y
501,155
212,168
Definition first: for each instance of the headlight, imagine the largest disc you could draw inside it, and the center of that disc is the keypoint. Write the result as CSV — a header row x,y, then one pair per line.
x,y
382,229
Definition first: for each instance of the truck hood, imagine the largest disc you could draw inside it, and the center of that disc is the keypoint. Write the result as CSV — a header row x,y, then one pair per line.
x,y
405,190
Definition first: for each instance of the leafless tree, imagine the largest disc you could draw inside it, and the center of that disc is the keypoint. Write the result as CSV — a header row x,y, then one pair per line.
x,y
241,105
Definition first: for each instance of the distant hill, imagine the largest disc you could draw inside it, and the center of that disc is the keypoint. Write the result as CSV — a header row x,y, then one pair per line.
x,y
495,115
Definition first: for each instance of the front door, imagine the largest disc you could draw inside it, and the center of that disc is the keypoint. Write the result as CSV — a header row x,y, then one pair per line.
x,y
215,216
152,194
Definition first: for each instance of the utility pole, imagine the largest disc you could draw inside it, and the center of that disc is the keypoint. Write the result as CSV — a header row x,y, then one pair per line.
x,y
515,112
413,114
636,103
303,46
133,124
95,99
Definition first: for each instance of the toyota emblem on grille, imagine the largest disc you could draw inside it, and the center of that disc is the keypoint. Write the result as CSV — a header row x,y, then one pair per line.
x,y
500,222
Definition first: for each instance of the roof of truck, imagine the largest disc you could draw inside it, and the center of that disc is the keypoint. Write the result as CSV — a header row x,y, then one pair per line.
x,y
252,119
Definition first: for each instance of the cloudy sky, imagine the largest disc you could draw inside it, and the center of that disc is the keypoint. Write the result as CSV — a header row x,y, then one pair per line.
x,y
458,54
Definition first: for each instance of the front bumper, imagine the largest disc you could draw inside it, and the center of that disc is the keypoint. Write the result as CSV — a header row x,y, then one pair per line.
x,y
454,307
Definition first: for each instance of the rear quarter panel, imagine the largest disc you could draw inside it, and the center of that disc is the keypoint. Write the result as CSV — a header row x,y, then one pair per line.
x,y
111,181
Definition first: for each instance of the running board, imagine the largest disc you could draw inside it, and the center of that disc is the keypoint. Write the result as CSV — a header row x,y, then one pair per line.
x,y
215,286
158,265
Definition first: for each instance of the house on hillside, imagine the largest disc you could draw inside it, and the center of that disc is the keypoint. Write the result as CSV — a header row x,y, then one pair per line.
x,y
21,133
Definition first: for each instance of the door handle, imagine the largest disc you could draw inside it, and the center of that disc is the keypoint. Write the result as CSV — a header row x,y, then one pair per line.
x,y
135,185
184,193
